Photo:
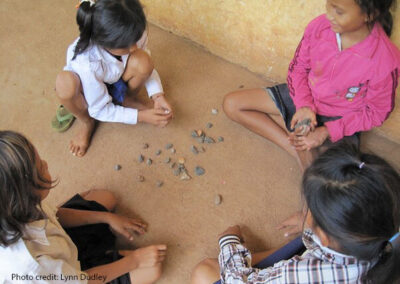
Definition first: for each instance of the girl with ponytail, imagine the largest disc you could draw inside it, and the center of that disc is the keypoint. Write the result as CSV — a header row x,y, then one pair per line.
x,y
106,66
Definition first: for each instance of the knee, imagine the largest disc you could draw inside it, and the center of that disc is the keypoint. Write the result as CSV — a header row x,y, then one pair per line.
x,y
104,197
230,105
140,63
67,85
201,272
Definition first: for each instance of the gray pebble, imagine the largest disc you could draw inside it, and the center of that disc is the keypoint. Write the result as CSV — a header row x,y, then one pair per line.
x,y
140,159
140,178
194,134
200,139
209,140
177,171
173,150
145,146
167,160
159,183
209,125
199,171
218,199
181,166
194,149
158,152
172,165
149,161
168,146
214,111
220,139
117,167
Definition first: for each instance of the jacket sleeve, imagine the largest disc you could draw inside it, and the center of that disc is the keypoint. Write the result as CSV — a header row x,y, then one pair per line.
x,y
379,102
235,265
299,69
100,105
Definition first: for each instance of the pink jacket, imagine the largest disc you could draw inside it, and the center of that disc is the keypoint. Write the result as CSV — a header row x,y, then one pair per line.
x,y
358,84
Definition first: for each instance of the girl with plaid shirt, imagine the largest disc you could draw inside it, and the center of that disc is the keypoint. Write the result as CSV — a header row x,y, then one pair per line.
x,y
351,230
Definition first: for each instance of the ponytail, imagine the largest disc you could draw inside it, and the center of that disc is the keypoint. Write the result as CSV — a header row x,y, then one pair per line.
x,y
84,18
386,21
386,270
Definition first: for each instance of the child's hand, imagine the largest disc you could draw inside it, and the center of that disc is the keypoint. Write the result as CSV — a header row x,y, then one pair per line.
x,y
303,114
149,256
154,116
160,102
294,224
234,230
126,226
312,140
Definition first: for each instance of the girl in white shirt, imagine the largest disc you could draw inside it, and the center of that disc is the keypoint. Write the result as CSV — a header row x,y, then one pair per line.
x,y
106,66
34,248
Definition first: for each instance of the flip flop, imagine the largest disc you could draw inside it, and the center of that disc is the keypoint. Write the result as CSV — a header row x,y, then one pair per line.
x,y
62,120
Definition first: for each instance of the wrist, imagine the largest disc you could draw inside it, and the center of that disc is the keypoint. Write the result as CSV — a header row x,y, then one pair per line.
x,y
157,96
105,217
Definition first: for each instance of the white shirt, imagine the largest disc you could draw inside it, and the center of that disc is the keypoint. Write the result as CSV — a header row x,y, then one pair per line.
x,y
45,254
95,66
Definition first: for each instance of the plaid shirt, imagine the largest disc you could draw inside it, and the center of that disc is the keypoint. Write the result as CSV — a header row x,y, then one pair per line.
x,y
318,264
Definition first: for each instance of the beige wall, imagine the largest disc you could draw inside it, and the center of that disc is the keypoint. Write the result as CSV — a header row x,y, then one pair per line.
x,y
261,35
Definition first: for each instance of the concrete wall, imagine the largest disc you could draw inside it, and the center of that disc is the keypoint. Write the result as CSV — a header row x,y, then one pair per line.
x,y
260,35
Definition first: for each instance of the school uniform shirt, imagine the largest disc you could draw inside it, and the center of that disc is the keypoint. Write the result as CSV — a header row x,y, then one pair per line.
x,y
44,254
358,84
95,67
318,264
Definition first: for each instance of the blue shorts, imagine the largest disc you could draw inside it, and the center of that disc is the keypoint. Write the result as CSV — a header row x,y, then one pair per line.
x,y
283,101
295,247
117,90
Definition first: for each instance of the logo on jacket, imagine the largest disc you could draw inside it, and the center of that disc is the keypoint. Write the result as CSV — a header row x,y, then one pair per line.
x,y
352,92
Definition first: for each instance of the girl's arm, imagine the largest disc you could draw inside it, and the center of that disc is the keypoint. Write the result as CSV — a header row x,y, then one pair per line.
x,y
126,226
379,102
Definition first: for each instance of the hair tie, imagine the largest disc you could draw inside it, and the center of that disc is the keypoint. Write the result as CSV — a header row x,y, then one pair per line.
x,y
395,236
92,2
361,165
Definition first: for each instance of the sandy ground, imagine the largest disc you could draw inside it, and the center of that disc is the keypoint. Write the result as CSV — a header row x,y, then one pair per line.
x,y
259,182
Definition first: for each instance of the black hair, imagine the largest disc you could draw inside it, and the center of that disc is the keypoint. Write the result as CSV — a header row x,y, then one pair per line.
x,y
19,179
379,11
109,24
355,199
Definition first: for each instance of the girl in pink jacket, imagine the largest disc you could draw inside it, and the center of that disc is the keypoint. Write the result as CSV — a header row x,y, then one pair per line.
x,y
341,81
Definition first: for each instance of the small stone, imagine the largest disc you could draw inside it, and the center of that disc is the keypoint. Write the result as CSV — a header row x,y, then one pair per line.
x,y
117,167
167,160
202,149
200,139
181,166
194,134
304,126
241,86
218,199
214,111
140,159
159,183
145,146
140,178
199,132
209,125
220,139
194,149
172,165
185,175
181,160
177,171
173,150
199,171
168,146
149,161
209,140
158,153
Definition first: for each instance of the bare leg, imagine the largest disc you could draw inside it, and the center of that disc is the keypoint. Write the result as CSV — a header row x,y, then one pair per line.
x,y
207,271
255,110
144,275
104,197
69,91
138,69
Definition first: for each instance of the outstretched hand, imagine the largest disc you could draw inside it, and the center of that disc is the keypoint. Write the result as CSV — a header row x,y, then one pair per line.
x,y
160,102
303,114
126,226
158,117
312,140
293,225
149,256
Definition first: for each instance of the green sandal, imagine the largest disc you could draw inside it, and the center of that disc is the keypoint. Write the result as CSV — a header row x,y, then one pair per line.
x,y
62,120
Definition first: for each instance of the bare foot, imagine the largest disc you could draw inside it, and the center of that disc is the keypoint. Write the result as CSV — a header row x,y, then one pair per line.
x,y
81,141
294,224
131,102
